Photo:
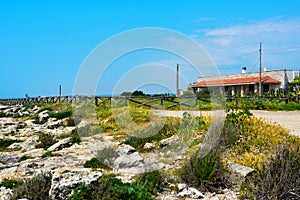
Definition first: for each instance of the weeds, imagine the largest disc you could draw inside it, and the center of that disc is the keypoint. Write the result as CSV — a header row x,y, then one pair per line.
x,y
45,140
4,143
110,188
278,178
35,188
94,163
10,183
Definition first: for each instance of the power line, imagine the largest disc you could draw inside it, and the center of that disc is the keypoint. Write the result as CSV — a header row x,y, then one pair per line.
x,y
284,48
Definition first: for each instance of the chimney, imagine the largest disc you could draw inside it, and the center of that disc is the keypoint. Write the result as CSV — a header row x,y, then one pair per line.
x,y
244,70
265,69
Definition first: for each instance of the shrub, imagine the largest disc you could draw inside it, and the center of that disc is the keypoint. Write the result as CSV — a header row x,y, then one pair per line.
x,y
10,183
205,172
35,188
107,155
109,187
151,181
278,178
94,163
45,140
4,143
61,115
2,114
47,154
24,157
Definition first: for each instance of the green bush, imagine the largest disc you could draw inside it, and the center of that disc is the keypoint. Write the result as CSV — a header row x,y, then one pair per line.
x,y
4,143
60,115
2,114
24,157
35,188
205,172
47,154
278,178
94,163
45,140
110,188
10,183
151,181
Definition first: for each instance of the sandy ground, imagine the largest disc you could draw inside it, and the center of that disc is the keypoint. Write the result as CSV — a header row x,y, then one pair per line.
x,y
287,119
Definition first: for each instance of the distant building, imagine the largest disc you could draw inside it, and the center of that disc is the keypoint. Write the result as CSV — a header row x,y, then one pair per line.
x,y
246,83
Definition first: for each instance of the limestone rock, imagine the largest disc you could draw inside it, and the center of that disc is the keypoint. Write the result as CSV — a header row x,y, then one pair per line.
x,y
125,149
240,169
63,184
67,142
54,124
43,117
132,163
5,193
191,192
149,146
169,141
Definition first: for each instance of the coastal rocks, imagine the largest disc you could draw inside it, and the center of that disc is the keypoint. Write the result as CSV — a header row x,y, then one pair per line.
x,y
63,183
67,142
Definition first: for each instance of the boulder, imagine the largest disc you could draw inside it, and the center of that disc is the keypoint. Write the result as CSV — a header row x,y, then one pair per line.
x,y
43,117
125,149
149,146
63,183
129,164
67,142
169,141
5,193
244,171
54,124
191,193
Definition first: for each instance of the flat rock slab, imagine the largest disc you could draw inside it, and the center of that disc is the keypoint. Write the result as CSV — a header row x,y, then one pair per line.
x,y
240,169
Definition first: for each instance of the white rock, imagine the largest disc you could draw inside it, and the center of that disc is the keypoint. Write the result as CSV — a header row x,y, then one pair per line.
x,y
43,117
149,146
67,142
125,149
190,192
181,186
169,141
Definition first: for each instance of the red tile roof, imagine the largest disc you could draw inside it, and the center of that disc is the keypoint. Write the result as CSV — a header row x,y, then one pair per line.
x,y
236,81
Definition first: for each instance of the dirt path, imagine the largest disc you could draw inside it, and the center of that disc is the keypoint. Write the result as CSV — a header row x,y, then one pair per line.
x,y
287,119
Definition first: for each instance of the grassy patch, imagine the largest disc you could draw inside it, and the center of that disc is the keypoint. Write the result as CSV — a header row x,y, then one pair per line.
x,y
48,154
34,188
10,183
45,140
109,187
25,157
94,163
4,143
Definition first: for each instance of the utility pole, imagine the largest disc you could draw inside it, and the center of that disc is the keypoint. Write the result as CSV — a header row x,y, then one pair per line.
x,y
60,90
260,85
177,80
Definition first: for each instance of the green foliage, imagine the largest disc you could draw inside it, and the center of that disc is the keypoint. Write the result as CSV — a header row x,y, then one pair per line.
x,y
107,155
151,181
205,172
47,154
94,163
4,143
138,93
279,177
10,183
35,188
60,115
45,140
110,188
24,157
2,114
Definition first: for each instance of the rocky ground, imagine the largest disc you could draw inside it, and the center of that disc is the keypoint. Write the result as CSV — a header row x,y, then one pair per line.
x,y
24,159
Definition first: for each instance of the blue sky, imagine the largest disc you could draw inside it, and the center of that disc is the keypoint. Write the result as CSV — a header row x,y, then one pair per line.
x,y
44,43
